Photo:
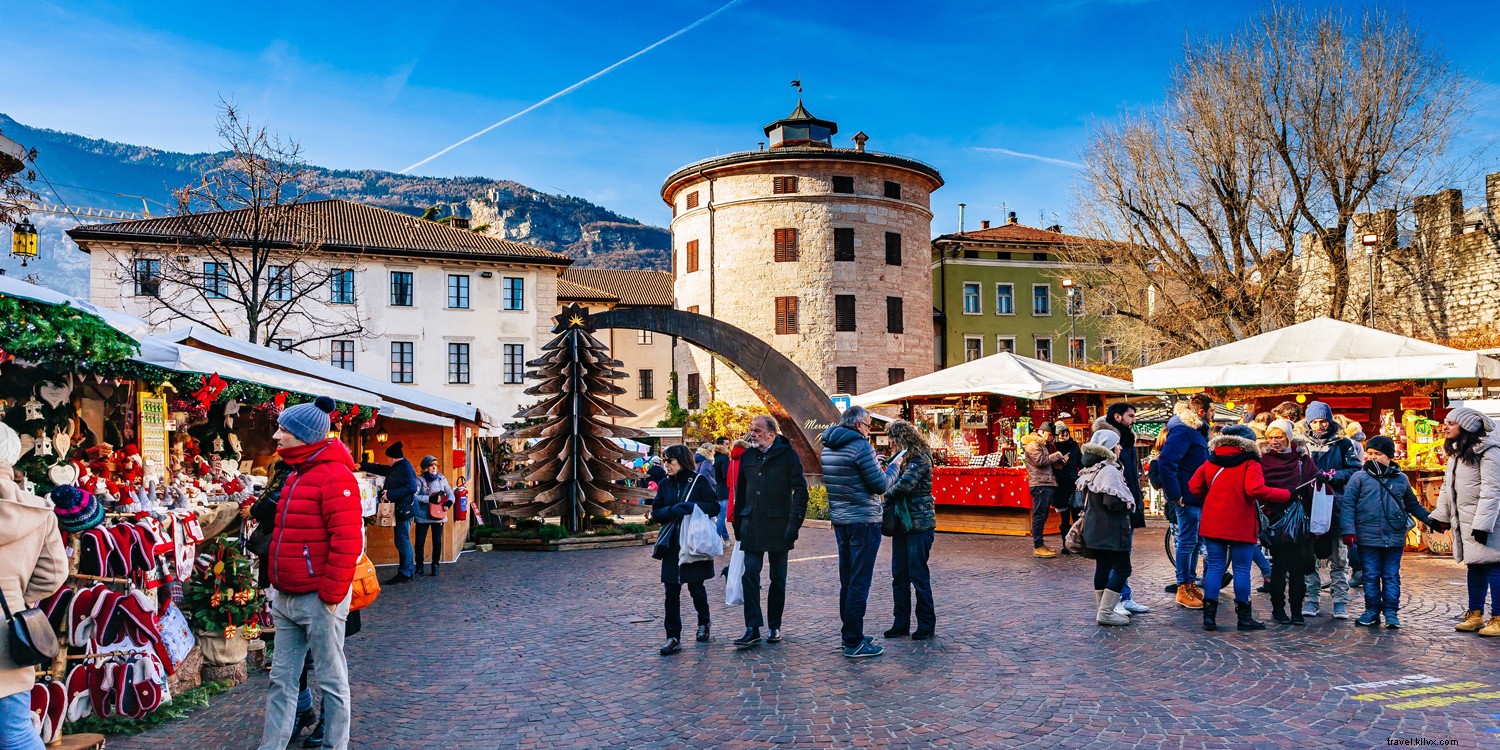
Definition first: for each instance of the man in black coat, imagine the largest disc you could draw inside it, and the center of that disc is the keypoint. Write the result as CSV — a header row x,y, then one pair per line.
x,y
770,501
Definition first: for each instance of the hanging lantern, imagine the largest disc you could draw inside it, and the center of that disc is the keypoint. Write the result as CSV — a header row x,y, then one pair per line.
x,y
23,241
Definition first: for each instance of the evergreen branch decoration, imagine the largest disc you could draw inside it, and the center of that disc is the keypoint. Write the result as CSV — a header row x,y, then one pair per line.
x,y
574,465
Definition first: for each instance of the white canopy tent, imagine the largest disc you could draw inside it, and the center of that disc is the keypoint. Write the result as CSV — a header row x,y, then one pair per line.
x,y
178,358
1323,350
1002,374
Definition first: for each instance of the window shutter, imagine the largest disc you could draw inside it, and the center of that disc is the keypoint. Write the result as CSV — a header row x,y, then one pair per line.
x,y
785,245
786,315
843,312
846,380
895,375
784,185
843,184
692,200
893,318
692,256
892,248
843,244
892,189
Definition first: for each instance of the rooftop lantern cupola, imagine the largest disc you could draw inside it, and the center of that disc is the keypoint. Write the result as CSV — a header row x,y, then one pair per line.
x,y
801,130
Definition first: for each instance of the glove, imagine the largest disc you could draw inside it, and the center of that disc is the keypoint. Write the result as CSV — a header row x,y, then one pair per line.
x,y
1439,526
1349,540
1481,536
792,532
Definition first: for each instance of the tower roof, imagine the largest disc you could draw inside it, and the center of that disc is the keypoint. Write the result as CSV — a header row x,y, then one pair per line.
x,y
801,116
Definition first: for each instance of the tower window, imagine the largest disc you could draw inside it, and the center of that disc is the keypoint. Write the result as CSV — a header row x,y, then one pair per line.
x,y
781,185
786,245
895,375
692,256
892,248
892,189
843,312
693,387
843,184
786,315
843,244
846,380
894,322
692,200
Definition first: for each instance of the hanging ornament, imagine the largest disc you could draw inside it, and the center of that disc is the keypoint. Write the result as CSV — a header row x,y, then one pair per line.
x,y
55,394
216,599
33,409
43,445
218,444
231,632
280,401
251,631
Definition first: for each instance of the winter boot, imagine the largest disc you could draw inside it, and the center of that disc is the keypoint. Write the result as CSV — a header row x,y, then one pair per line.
x,y
1210,614
1295,610
1473,620
1106,614
1245,620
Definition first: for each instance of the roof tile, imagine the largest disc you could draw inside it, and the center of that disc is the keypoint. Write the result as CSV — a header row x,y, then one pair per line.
x,y
634,288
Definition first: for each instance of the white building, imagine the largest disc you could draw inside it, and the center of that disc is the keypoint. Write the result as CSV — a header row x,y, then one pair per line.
x,y
443,310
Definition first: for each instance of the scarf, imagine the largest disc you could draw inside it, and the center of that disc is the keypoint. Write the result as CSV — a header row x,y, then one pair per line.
x,y
1107,479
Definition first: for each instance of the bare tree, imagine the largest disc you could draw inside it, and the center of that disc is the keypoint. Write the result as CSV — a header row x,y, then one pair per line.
x,y
253,266
15,172
1285,129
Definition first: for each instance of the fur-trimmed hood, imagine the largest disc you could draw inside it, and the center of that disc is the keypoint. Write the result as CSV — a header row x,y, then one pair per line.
x,y
1032,437
1244,444
1093,453
1184,412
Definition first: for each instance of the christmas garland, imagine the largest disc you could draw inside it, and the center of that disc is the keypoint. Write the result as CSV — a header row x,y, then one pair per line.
x,y
1413,387
59,337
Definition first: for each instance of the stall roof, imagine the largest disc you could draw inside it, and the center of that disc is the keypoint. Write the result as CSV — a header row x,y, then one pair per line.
x,y
1322,350
178,358
1002,374
204,338
127,324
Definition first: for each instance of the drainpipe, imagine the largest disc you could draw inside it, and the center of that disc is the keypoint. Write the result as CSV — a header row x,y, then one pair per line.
x,y
713,261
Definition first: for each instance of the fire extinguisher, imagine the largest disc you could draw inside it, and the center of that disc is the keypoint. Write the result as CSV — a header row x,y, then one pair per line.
x,y
461,496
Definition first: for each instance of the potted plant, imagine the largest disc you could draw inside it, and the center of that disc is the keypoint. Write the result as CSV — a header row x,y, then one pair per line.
x,y
222,602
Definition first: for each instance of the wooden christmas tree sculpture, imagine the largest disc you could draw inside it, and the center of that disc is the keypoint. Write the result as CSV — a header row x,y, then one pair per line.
x,y
574,465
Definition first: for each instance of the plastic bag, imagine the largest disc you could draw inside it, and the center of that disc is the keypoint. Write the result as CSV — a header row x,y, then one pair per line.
x,y
1322,511
700,536
734,588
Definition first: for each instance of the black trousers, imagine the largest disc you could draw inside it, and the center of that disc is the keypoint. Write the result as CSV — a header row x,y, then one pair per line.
x,y
1290,564
775,599
437,542
674,606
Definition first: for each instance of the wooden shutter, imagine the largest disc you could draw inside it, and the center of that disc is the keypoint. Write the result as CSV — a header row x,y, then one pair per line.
x,y
843,184
846,380
843,244
893,317
892,248
892,189
843,312
693,309
784,185
786,245
895,375
692,200
786,315
692,256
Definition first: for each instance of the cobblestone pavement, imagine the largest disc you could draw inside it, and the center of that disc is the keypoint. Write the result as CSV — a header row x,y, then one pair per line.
x,y
558,650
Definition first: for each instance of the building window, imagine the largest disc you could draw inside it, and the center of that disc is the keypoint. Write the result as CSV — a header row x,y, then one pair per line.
x,y
147,277
515,363
401,292
781,185
1041,299
692,391
843,312
1005,299
279,283
973,348
215,281
894,322
402,357
971,298
341,282
341,354
895,375
892,189
846,380
843,244
1038,256
892,248
692,256
458,364
786,245
692,200
786,315
1109,352
514,293
647,381
1078,352
843,184
643,338
281,345
458,291
1043,346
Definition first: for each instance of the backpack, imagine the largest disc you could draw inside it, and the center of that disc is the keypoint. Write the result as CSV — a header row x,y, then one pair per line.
x,y
366,586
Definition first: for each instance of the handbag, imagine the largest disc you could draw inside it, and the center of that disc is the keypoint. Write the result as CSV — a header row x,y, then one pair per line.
x,y
366,586
385,514
1076,502
436,508
32,641
1289,529
1074,540
890,525
666,537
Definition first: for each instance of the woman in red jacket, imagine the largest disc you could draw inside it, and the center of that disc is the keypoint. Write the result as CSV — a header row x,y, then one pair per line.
x,y
735,453
1232,485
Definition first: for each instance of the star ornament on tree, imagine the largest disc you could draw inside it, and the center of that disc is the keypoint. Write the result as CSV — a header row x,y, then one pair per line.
x,y
573,317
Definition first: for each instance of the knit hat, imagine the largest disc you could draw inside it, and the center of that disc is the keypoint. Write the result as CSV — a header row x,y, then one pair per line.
x,y
10,446
1382,444
394,451
1061,428
77,510
1320,410
1469,419
308,422
1285,426
1239,431
1109,439
428,461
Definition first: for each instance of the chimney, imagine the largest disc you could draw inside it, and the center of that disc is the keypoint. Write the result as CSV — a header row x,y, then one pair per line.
x,y
458,222
1440,216
859,141
961,217
984,224
1011,218
1055,228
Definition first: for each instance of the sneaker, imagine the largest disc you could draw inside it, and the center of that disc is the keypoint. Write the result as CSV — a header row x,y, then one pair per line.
x,y
393,580
1392,621
1122,610
1135,607
1340,612
750,639
1370,617
703,634
774,636
305,719
897,633
314,740
1310,609
672,646
863,650
1043,552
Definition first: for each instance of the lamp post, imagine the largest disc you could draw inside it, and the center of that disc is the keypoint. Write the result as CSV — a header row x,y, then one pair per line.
x,y
1069,291
1370,240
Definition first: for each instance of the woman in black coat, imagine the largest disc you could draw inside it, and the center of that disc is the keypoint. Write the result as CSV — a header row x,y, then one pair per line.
x,y
676,496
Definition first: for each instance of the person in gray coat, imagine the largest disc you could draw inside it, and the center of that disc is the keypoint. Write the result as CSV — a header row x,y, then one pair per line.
x,y
433,489
855,484
1470,501
1374,514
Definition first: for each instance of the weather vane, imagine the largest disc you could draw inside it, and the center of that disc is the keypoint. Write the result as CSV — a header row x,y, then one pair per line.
x,y
798,85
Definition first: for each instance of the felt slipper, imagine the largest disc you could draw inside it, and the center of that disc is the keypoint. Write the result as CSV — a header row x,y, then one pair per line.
x,y
78,691
81,626
143,683
99,678
93,552
39,697
109,626
57,708
125,702
56,608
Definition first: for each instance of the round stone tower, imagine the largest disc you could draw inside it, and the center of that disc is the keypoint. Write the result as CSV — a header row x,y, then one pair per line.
x,y
823,252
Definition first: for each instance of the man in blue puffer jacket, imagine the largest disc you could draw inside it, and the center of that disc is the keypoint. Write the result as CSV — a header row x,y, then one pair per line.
x,y
1185,449
855,484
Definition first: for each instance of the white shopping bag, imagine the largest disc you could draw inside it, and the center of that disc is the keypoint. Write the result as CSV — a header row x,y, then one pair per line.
x,y
734,591
700,535
1322,511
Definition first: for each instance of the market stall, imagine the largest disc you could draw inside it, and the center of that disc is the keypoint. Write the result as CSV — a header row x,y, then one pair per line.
x,y
1383,383
974,414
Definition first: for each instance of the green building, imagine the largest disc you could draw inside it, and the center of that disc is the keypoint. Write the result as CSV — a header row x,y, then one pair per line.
x,y
1005,288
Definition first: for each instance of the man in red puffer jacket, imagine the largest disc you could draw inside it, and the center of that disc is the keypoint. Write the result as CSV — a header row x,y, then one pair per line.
x,y
314,547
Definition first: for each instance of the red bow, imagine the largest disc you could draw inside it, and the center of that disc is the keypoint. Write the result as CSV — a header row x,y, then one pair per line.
x,y
213,385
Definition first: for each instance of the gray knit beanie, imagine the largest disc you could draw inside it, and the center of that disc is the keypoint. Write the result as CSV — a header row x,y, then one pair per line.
x,y
1470,420
308,422
1106,438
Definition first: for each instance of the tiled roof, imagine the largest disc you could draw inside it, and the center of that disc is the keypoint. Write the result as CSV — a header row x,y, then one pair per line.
x,y
633,288
571,292
1018,234
335,226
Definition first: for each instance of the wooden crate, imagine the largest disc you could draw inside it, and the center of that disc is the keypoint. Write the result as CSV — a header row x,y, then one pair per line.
x,y
1000,521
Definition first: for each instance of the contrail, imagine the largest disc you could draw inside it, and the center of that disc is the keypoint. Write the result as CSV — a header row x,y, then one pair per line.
x,y
582,83
1048,159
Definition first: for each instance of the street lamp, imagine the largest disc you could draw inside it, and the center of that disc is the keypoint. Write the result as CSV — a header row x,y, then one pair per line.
x,y
1069,291
1370,240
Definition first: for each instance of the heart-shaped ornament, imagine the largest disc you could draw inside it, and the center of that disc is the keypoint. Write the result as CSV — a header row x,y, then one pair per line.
x,y
62,441
63,474
27,443
55,394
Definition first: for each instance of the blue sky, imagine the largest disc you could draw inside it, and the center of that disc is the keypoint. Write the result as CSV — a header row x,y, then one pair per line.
x,y
383,85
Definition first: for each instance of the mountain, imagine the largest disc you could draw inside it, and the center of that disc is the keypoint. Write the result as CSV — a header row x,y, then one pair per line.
x,y
88,172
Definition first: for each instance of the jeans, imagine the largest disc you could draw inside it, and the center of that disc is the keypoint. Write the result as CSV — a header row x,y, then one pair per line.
x,y
1481,577
859,543
1338,571
15,723
437,542
1261,562
403,547
909,553
1382,566
723,516
1188,517
1041,502
674,606
1289,566
1111,569
775,599
304,623
1236,554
